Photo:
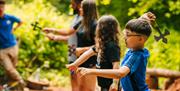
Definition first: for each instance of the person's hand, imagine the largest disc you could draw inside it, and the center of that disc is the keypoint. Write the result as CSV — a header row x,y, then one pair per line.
x,y
83,71
113,87
72,67
51,36
150,17
79,51
48,30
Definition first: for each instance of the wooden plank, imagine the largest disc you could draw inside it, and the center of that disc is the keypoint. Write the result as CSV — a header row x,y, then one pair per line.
x,y
163,73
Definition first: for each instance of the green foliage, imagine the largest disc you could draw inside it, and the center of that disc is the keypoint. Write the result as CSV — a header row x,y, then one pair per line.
x,y
57,78
62,5
118,8
167,11
165,55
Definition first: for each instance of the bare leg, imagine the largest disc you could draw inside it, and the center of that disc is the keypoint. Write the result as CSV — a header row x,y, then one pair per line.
x,y
88,83
74,82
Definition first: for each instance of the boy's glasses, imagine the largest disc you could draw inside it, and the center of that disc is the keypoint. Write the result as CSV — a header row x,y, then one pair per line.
x,y
130,35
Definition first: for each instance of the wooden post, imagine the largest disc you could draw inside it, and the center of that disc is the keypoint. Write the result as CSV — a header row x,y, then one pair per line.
x,y
163,73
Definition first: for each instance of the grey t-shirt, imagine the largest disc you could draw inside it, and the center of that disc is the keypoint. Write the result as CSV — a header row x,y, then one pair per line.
x,y
72,41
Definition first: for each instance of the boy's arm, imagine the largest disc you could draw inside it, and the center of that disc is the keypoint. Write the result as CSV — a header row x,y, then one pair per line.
x,y
116,66
86,55
149,17
114,85
130,67
18,25
107,73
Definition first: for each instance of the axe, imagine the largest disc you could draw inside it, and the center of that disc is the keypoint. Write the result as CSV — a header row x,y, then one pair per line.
x,y
161,35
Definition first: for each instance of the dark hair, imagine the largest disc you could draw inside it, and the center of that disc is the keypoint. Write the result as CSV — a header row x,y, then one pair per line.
x,y
107,31
76,11
90,15
2,2
78,1
139,26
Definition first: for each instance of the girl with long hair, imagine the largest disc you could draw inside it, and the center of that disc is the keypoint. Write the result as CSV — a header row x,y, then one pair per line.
x,y
84,29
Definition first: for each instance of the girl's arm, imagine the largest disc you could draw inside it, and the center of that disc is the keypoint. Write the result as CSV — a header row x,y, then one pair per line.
x,y
86,55
81,50
107,73
57,37
64,32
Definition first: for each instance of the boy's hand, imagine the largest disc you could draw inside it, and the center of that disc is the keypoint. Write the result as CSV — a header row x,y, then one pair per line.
x,y
48,30
150,17
113,87
83,71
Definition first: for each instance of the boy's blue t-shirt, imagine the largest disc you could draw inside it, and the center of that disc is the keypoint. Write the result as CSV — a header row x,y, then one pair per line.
x,y
136,61
7,39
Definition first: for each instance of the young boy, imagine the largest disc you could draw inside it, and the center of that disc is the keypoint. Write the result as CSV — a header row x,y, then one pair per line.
x,y
133,68
8,44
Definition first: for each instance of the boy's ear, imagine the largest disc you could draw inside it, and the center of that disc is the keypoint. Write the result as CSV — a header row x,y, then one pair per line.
x,y
143,38
140,38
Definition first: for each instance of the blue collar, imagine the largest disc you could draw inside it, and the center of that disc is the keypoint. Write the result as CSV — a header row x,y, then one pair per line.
x,y
4,17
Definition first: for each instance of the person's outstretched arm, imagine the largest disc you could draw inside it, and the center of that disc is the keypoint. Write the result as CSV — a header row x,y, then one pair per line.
x,y
106,73
64,32
129,67
57,37
84,57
